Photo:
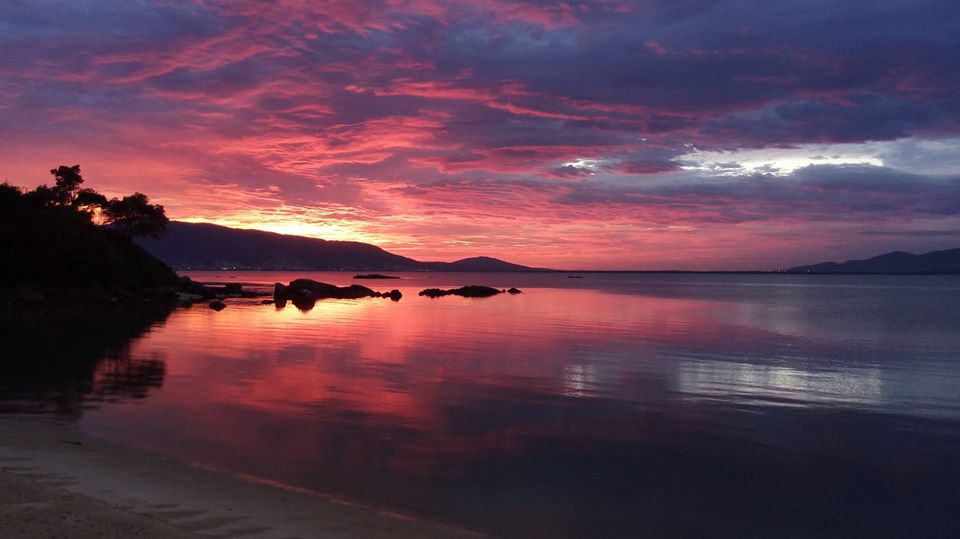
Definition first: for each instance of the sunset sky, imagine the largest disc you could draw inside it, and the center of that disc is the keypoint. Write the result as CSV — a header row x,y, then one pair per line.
x,y
688,134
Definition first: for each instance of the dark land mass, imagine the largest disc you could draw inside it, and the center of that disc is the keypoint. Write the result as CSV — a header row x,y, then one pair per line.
x,y
304,293
199,246
57,256
478,263
471,291
58,247
898,262
54,254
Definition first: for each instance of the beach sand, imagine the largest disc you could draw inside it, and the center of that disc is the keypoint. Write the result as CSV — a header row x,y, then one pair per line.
x,y
57,482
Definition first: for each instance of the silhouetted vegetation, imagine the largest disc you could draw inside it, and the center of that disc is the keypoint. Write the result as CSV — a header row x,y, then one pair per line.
x,y
56,360
131,215
68,235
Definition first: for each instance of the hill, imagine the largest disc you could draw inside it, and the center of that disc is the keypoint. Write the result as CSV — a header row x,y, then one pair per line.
x,y
206,246
200,246
51,245
477,263
897,262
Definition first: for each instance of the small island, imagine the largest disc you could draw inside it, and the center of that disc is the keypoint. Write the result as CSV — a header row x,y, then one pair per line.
x,y
471,291
375,276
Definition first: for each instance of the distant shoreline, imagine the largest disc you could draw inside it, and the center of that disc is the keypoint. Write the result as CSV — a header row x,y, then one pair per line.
x,y
544,271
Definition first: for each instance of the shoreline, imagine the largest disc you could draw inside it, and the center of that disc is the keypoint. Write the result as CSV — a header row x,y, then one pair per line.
x,y
56,480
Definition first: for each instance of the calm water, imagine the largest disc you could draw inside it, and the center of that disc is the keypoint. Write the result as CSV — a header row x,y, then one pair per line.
x,y
613,405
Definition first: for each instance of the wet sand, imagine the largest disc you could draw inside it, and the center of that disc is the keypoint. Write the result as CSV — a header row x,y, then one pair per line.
x,y
57,482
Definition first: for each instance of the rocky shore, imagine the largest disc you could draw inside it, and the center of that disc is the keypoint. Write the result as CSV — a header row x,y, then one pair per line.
x,y
304,293
184,292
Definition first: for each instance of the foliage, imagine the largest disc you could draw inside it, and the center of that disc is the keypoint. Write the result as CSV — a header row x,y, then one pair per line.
x,y
131,215
69,235
134,216
88,202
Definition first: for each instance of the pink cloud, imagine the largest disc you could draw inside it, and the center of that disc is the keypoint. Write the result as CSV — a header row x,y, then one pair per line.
x,y
546,132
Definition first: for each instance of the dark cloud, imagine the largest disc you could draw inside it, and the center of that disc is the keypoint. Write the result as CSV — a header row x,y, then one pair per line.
x,y
647,166
722,73
817,192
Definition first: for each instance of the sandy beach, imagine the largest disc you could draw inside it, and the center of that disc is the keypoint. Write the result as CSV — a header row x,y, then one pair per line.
x,y
57,482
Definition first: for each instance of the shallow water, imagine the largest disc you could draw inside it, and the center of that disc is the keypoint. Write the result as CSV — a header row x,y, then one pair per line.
x,y
613,405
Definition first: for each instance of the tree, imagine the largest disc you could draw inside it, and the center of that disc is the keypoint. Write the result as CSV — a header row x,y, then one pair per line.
x,y
131,215
68,180
65,190
134,216
41,196
88,201
9,192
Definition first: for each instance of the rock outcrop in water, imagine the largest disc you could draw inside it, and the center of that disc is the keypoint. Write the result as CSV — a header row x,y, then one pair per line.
x,y
472,291
189,292
304,293
374,276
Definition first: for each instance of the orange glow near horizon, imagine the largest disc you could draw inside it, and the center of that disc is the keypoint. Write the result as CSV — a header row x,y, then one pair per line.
x,y
341,230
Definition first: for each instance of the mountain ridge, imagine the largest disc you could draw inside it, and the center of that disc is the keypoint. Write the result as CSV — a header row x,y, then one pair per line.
x,y
200,246
943,262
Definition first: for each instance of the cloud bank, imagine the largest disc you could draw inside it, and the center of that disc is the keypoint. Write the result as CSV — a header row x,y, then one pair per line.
x,y
648,134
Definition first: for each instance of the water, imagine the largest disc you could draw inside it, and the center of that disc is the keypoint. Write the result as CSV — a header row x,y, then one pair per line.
x,y
616,405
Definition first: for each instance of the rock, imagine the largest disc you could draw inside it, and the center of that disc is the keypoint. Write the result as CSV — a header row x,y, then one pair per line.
x,y
328,291
514,291
279,293
189,286
304,293
267,302
303,302
433,292
217,305
395,295
472,291
233,289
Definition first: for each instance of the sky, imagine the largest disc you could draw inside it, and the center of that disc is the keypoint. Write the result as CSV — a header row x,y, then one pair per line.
x,y
653,134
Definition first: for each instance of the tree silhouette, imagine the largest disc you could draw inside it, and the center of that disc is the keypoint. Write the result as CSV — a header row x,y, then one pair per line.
x,y
131,215
68,180
88,202
63,193
9,193
134,216
65,234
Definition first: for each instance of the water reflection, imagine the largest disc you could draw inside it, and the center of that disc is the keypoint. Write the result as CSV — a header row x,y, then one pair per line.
x,y
60,360
578,412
